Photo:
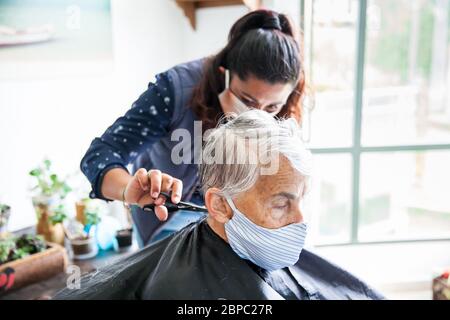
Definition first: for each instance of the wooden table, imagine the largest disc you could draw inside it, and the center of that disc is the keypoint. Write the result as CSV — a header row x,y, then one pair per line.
x,y
49,287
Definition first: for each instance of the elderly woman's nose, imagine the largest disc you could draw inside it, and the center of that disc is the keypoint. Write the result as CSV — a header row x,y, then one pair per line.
x,y
297,216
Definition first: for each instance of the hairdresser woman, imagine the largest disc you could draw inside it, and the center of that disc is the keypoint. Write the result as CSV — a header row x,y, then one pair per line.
x,y
260,67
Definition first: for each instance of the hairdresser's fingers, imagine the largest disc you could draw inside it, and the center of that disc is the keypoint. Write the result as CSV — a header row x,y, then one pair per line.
x,y
145,200
134,190
160,201
166,182
141,175
155,178
177,189
161,212
166,185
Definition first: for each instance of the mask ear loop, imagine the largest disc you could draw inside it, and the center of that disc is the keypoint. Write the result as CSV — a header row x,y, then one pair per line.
x,y
231,203
227,78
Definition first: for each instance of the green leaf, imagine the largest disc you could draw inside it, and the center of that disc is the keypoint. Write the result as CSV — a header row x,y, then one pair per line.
x,y
59,215
66,188
92,218
35,172
6,246
19,254
3,207
49,183
47,164
57,218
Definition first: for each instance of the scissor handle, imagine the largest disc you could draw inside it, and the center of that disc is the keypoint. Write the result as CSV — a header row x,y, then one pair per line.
x,y
174,207
170,207
191,207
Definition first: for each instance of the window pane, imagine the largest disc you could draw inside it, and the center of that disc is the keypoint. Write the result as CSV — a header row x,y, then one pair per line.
x,y
406,96
404,195
330,199
333,53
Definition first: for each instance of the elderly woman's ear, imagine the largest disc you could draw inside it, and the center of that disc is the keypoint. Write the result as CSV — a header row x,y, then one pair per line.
x,y
217,205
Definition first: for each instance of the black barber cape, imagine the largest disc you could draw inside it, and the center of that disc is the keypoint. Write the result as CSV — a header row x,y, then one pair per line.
x,y
195,263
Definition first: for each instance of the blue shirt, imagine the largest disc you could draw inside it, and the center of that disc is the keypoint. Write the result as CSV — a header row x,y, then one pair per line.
x,y
145,123
146,137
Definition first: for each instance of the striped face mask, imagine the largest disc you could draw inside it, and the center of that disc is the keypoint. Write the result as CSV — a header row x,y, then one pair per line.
x,y
271,249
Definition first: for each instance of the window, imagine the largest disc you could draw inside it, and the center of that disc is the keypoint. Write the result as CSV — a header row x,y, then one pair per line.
x,y
380,125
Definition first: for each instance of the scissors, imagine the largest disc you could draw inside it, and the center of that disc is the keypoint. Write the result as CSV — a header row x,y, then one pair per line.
x,y
182,205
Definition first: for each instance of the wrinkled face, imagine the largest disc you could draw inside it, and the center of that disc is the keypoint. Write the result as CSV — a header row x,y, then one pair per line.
x,y
255,93
275,200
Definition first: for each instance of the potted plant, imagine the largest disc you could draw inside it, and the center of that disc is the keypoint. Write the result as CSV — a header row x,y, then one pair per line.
x,y
5,212
82,236
6,246
124,237
56,230
49,191
80,208
15,248
28,259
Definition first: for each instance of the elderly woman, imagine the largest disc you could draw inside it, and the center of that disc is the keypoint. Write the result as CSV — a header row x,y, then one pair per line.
x,y
254,175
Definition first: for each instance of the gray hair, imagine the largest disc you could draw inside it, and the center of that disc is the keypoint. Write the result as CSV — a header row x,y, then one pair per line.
x,y
250,142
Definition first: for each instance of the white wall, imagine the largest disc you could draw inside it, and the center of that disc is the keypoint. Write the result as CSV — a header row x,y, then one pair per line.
x,y
395,269
59,117
211,32
147,39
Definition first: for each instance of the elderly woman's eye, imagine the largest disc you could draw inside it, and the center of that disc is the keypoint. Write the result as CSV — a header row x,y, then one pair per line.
x,y
281,205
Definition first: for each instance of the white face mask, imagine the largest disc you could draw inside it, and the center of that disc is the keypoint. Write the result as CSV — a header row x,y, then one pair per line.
x,y
229,99
271,249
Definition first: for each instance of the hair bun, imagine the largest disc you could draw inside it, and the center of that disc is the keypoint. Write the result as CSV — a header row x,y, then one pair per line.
x,y
261,19
271,23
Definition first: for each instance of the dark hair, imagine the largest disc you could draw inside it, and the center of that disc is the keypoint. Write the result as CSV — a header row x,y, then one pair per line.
x,y
263,44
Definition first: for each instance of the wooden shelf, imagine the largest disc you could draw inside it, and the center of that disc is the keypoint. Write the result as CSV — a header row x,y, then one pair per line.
x,y
189,7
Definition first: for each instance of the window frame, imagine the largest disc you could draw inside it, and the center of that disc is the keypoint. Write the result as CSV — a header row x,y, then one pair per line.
x,y
356,150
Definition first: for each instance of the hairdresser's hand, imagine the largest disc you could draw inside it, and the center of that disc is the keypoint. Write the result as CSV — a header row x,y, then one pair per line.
x,y
145,187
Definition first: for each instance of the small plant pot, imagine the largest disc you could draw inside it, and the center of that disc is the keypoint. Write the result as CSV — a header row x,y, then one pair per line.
x,y
441,288
124,238
84,248
80,207
4,218
52,232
